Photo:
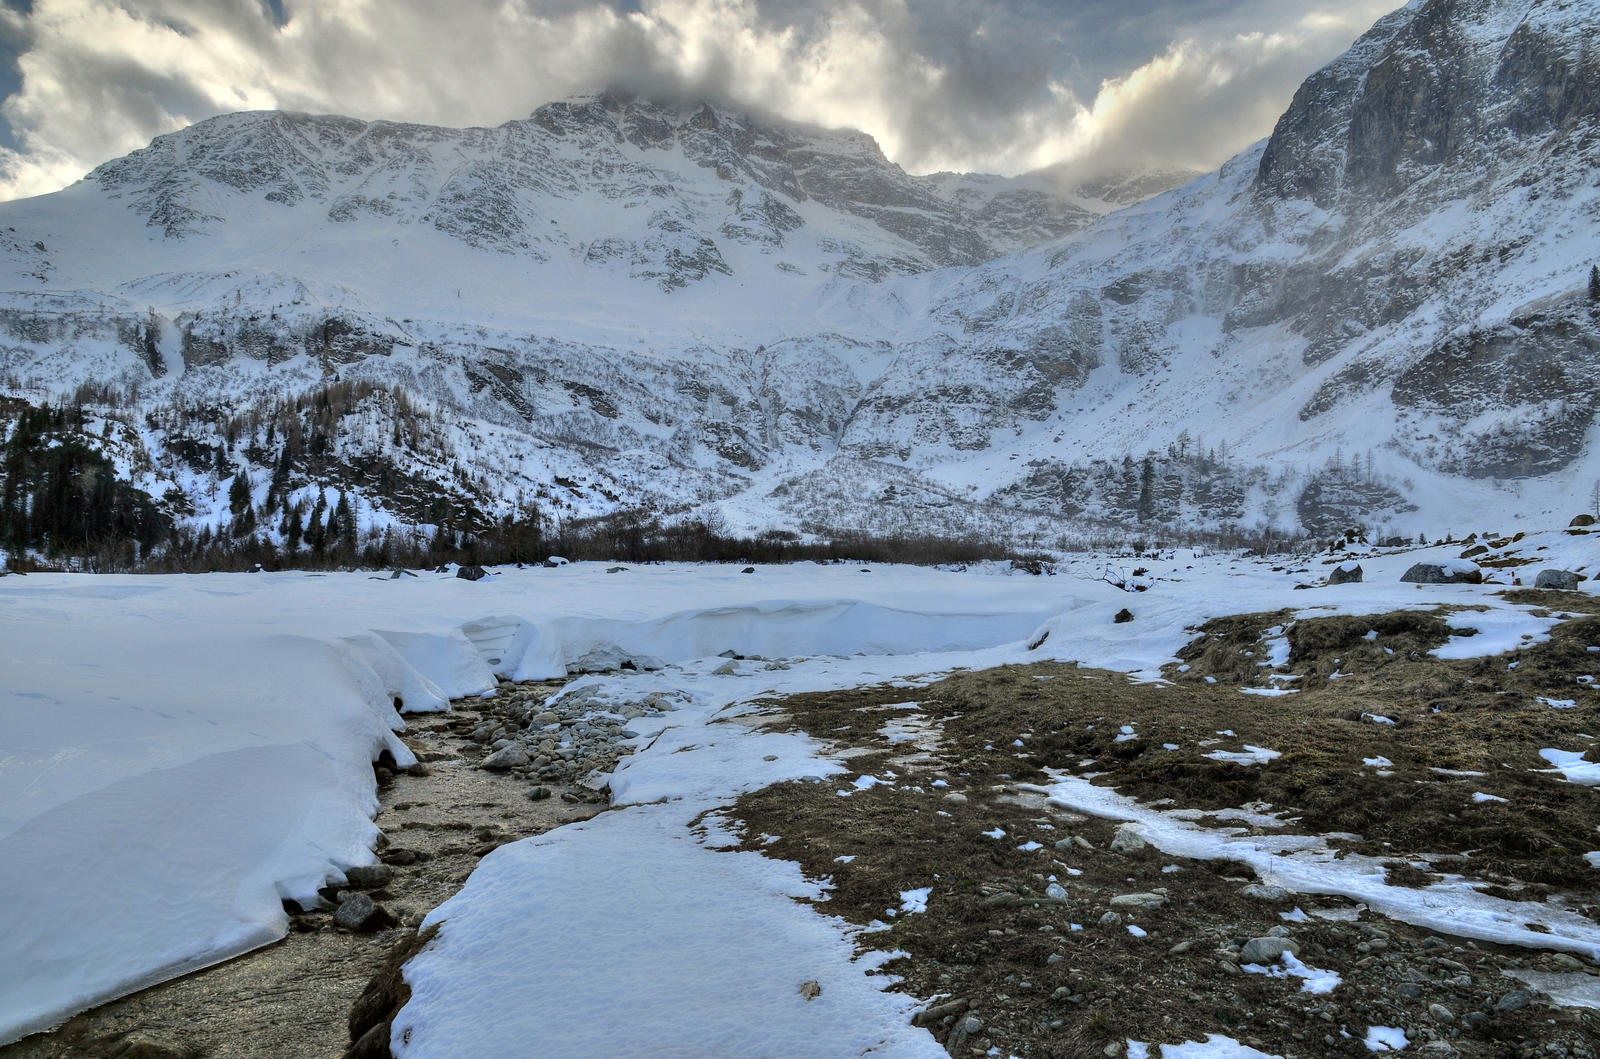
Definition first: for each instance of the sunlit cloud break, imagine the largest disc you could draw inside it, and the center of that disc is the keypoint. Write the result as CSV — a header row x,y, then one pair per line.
x,y
1004,86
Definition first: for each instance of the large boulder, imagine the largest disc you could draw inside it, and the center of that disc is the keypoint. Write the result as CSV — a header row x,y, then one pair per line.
x,y
1345,574
1565,580
472,573
1444,572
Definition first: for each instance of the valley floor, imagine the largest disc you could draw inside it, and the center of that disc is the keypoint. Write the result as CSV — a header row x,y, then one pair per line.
x,y
839,797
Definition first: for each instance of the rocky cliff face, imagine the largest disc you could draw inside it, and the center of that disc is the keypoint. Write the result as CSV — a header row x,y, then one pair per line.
x,y
1378,315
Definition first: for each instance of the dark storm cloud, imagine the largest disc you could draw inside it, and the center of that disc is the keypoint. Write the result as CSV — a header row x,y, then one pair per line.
x,y
1000,85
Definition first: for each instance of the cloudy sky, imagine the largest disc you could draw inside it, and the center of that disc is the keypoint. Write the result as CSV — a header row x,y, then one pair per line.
x,y
980,85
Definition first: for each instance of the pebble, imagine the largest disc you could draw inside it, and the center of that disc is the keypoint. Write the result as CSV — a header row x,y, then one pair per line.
x,y
956,799
1110,919
1409,990
1441,1013
538,794
1056,892
1264,892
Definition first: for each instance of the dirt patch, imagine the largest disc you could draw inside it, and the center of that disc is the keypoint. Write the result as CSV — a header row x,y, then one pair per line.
x,y
300,996
1021,930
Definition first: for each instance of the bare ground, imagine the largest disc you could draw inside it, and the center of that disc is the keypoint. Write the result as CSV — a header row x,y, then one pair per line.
x,y
1043,976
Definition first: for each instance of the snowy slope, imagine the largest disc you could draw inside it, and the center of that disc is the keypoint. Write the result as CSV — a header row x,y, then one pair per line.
x,y
1377,317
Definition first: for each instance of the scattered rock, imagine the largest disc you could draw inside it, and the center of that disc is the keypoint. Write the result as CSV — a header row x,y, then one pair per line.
x,y
1514,1001
955,798
939,1012
1264,892
1109,920
1267,950
471,573
616,569
538,794
510,757
1457,572
811,990
963,1029
1127,841
1441,1014
1346,574
1144,900
368,876
1562,580
1123,616
748,570
361,913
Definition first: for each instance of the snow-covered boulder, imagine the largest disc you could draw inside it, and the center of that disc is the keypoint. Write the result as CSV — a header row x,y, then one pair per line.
x,y
1444,572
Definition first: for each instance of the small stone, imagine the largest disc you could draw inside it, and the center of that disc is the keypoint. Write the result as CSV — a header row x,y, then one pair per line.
x,y
1441,1014
538,794
1056,892
1228,967
1138,901
1127,841
1514,1001
1279,932
1180,948
1264,892
1109,920
368,876
811,990
399,856
726,669
359,912
1267,950
1409,990
510,757
542,720
1123,616
955,798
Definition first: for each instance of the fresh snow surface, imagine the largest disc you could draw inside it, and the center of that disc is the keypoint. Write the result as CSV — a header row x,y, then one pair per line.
x,y
209,737
1386,1039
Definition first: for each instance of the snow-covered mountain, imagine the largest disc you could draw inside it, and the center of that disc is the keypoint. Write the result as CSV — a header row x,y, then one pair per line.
x,y
1378,316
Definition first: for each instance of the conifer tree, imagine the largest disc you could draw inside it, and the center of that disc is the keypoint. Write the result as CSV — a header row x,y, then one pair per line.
x,y
1594,283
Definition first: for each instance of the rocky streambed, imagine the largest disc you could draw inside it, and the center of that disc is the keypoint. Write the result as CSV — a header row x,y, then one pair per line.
x,y
518,762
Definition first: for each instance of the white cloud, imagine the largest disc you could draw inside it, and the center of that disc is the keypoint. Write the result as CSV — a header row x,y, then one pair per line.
x,y
102,77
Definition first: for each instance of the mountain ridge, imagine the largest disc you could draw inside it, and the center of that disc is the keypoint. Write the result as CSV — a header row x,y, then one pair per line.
x,y
1375,317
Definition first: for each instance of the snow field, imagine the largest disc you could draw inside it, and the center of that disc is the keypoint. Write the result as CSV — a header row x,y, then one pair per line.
x,y
209,738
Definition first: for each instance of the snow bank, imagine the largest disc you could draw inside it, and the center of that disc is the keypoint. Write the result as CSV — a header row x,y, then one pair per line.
x,y
158,800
